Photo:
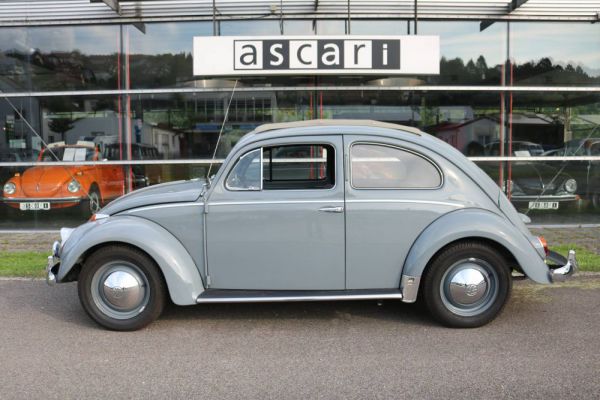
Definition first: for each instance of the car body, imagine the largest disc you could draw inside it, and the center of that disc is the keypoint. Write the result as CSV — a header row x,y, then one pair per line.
x,y
48,187
314,210
533,185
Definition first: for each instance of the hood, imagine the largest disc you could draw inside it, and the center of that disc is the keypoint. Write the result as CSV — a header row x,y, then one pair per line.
x,y
45,181
171,192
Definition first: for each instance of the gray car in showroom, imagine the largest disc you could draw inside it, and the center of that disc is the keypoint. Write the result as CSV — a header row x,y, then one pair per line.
x,y
310,211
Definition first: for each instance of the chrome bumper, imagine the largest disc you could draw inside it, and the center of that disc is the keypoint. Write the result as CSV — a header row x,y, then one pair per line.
x,y
53,264
560,274
52,200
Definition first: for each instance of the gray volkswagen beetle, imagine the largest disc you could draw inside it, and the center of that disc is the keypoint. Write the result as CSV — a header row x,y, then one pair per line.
x,y
310,211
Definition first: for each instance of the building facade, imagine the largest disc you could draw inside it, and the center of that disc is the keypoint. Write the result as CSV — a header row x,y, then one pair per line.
x,y
518,91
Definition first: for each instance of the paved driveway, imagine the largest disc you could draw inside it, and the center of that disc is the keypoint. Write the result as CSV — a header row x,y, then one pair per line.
x,y
544,346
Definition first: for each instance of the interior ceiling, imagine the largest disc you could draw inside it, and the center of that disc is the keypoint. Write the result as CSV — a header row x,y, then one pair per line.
x,y
23,12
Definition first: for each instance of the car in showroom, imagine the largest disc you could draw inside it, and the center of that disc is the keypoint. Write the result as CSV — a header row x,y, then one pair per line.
x,y
48,187
533,185
311,211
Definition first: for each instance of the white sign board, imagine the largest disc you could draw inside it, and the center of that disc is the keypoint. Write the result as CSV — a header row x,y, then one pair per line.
x,y
316,55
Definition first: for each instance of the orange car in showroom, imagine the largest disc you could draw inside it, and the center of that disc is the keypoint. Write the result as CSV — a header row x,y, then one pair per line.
x,y
48,187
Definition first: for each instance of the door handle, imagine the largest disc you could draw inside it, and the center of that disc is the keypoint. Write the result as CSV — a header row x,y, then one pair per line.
x,y
332,209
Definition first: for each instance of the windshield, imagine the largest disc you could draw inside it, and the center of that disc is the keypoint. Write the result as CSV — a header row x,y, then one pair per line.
x,y
67,153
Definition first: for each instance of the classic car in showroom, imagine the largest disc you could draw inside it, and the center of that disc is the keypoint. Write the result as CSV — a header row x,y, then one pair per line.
x,y
533,185
587,173
311,211
47,187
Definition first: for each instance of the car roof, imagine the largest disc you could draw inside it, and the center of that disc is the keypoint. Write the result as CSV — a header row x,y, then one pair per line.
x,y
336,122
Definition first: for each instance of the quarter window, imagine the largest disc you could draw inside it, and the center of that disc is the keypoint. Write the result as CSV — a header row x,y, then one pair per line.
x,y
245,175
384,167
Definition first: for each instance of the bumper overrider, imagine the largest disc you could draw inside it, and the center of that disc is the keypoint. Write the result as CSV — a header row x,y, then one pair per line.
x,y
561,268
54,260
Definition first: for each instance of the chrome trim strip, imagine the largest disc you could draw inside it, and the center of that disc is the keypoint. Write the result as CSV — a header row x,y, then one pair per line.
x,y
237,203
396,295
441,203
167,205
409,286
429,88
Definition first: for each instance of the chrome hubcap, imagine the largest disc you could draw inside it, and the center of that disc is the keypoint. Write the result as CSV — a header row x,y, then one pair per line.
x,y
123,290
120,290
469,287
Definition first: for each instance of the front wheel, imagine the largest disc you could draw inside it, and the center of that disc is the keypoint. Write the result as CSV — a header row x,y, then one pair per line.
x,y
121,288
467,285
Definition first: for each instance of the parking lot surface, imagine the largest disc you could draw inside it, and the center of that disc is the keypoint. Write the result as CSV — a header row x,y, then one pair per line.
x,y
544,346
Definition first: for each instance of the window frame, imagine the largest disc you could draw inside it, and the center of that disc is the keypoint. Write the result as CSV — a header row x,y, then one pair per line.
x,y
262,189
396,147
228,188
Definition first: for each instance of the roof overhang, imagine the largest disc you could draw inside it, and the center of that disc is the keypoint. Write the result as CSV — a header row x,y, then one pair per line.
x,y
65,12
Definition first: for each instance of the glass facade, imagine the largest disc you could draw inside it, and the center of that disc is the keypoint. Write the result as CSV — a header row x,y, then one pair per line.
x,y
515,89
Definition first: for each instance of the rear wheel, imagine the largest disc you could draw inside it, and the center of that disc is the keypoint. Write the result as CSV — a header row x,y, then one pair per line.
x,y
467,285
121,288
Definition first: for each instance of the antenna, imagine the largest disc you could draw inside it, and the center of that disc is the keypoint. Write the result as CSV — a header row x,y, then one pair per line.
x,y
212,161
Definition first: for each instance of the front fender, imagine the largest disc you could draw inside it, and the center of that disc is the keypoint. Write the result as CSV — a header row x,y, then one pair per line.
x,y
181,273
475,223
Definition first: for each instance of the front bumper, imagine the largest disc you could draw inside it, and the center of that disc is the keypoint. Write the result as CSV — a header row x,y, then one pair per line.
x,y
561,268
53,200
53,263
560,198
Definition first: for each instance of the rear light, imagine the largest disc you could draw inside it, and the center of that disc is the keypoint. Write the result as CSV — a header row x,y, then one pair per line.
x,y
543,243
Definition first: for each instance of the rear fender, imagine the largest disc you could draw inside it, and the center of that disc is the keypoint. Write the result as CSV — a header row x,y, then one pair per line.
x,y
181,273
472,224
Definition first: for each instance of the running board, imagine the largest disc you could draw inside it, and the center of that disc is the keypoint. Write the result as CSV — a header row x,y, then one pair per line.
x,y
268,296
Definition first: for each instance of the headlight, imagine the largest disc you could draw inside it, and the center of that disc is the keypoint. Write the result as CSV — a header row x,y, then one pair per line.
x,y
73,186
571,185
10,188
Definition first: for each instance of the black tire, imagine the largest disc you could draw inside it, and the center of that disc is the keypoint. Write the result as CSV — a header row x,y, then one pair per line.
x,y
452,300
98,268
92,203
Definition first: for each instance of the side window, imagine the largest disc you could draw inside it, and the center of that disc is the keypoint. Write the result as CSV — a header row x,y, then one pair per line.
x,y
305,166
383,167
245,175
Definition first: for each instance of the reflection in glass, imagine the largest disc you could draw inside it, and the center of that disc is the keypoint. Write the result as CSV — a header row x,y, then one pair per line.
x,y
551,53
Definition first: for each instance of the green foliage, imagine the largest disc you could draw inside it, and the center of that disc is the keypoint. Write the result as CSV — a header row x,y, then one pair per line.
x,y
23,263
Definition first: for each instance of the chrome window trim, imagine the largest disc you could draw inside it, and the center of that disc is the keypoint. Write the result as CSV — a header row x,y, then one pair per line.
x,y
397,148
230,189
323,142
267,202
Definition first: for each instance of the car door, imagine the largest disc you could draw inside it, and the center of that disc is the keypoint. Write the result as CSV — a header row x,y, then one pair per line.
x,y
275,217
394,191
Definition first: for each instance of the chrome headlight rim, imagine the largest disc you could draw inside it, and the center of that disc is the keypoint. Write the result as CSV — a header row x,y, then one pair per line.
x,y
9,188
74,186
570,185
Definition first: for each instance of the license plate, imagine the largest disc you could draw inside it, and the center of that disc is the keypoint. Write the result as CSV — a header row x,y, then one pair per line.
x,y
34,205
543,205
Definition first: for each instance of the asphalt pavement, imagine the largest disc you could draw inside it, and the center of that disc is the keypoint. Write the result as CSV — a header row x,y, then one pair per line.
x,y
544,346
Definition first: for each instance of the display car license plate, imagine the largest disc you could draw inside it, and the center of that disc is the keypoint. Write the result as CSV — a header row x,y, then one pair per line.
x,y
34,205
543,205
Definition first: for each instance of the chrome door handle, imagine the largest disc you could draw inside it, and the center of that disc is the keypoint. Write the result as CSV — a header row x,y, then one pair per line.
x,y
332,209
